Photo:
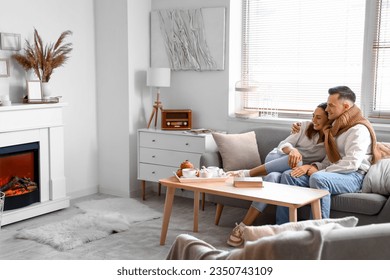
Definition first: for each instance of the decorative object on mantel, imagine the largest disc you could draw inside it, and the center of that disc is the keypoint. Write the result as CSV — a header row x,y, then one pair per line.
x,y
51,99
157,77
35,94
5,101
34,90
4,67
43,59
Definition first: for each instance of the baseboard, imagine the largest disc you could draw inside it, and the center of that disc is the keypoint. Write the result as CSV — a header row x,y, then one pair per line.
x,y
112,192
84,192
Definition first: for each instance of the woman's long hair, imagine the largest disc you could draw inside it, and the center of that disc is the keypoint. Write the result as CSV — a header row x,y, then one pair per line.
x,y
310,131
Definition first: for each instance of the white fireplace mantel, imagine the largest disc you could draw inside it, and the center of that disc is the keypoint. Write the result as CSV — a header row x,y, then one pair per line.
x,y
43,123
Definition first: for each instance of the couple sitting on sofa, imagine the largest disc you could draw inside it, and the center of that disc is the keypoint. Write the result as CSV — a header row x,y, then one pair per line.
x,y
339,142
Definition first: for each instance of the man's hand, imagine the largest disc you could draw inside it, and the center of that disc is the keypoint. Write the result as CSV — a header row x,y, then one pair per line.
x,y
303,170
300,171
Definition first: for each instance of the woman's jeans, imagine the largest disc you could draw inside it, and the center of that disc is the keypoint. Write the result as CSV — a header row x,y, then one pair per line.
x,y
275,162
275,165
335,183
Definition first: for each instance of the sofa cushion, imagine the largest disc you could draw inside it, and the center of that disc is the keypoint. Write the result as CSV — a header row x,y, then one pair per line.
x,y
362,203
238,151
377,179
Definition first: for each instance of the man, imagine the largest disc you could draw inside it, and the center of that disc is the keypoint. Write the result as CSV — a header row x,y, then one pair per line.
x,y
351,147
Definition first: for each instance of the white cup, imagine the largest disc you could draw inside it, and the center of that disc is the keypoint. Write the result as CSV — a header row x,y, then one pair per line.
x,y
189,172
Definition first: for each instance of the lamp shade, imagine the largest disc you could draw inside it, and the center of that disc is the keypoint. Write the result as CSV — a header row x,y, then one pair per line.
x,y
158,77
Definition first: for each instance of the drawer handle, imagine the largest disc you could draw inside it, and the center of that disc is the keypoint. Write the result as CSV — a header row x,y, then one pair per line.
x,y
153,140
153,156
153,172
187,144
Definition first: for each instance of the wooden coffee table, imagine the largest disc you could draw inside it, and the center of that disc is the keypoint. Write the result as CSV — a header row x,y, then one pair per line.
x,y
292,197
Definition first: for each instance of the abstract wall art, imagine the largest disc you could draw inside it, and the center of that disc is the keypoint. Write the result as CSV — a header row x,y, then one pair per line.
x,y
191,39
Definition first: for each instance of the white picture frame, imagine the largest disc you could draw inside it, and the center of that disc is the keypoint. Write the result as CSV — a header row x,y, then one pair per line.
x,y
34,90
10,42
4,67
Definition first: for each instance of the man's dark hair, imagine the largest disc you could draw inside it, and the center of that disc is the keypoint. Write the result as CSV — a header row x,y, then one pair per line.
x,y
344,93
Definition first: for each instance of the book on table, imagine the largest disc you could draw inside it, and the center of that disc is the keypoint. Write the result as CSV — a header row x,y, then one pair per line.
x,y
248,182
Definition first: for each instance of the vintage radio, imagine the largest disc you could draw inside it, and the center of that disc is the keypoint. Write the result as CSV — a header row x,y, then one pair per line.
x,y
174,119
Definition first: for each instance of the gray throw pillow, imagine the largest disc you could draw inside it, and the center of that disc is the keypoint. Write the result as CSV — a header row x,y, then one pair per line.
x,y
238,151
377,179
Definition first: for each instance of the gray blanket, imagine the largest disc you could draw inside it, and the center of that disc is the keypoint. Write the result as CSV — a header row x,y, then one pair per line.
x,y
305,245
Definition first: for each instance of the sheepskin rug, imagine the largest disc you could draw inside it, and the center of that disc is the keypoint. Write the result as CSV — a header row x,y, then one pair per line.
x,y
99,219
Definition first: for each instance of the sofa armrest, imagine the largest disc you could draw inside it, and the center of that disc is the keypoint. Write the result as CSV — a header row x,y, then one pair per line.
x,y
211,159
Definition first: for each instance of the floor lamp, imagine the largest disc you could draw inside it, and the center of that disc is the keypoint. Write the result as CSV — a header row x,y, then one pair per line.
x,y
157,77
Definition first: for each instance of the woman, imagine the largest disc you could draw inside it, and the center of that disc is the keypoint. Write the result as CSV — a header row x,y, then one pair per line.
x,y
296,152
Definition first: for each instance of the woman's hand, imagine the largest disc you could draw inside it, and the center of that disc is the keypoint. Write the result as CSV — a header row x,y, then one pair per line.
x,y
294,157
295,127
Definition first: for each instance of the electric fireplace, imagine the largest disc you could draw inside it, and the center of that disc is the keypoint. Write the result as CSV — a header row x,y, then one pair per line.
x,y
32,170
19,175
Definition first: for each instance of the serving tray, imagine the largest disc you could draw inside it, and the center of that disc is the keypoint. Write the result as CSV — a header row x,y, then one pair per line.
x,y
201,180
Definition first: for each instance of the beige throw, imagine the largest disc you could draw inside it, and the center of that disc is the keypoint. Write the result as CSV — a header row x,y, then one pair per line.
x,y
347,120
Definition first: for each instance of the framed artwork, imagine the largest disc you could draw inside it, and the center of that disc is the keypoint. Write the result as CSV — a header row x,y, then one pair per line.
x,y
10,41
4,67
34,90
192,39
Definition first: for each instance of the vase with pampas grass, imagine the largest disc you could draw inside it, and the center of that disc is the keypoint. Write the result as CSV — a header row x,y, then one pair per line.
x,y
43,59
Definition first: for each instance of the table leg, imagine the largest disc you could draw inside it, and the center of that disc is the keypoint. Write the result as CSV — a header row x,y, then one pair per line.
x,y
196,210
218,213
293,214
170,194
316,209
143,189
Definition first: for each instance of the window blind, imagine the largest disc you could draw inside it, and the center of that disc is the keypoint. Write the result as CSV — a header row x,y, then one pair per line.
x,y
297,49
380,105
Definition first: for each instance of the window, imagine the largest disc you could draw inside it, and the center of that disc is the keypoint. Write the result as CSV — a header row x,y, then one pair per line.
x,y
380,50
295,50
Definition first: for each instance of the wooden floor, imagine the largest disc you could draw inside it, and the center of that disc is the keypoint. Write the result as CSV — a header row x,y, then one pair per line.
x,y
141,242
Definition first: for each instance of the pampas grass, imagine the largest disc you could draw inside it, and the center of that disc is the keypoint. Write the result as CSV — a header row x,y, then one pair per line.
x,y
43,59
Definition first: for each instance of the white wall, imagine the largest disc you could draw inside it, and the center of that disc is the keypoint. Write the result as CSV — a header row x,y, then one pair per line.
x,y
75,82
106,89
206,93
122,40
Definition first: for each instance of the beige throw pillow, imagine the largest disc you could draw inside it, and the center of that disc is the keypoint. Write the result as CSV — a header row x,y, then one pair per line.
x,y
252,233
238,151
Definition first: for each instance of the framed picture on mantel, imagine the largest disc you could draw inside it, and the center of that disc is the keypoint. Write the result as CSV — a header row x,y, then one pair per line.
x,y
4,67
34,90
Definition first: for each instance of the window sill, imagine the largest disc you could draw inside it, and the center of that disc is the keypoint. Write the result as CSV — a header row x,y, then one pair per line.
x,y
379,127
